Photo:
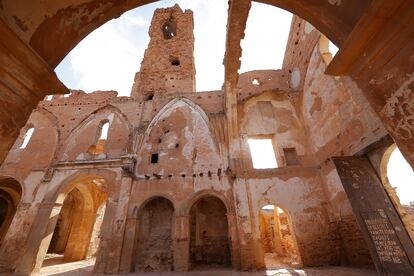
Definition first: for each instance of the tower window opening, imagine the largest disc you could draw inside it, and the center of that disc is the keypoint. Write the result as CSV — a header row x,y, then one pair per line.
x,y
27,137
169,29
175,62
154,158
256,82
262,153
150,97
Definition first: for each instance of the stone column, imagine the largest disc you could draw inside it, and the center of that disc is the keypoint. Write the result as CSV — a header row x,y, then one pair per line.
x,y
129,245
39,238
234,239
181,243
108,260
277,237
245,227
13,244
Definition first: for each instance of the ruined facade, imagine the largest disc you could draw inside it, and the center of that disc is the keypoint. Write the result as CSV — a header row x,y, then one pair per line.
x,y
164,180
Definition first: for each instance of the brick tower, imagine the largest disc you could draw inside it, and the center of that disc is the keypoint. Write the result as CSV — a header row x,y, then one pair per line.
x,y
168,63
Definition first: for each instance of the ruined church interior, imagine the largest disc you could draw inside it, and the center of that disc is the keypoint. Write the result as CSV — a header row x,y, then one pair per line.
x,y
172,180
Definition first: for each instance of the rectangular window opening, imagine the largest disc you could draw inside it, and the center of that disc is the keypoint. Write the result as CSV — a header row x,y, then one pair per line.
x,y
262,153
291,156
154,158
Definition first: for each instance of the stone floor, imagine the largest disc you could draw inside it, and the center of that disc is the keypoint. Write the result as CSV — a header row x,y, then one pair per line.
x,y
56,267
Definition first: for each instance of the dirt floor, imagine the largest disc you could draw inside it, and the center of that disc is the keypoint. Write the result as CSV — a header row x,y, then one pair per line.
x,y
55,267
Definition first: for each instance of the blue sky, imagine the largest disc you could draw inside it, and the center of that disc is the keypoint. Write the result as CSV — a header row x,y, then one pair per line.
x,y
108,58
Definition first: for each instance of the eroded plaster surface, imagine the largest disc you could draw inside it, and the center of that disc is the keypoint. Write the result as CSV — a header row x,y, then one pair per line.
x,y
172,185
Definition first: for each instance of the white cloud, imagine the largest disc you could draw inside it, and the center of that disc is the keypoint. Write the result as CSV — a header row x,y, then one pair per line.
x,y
137,20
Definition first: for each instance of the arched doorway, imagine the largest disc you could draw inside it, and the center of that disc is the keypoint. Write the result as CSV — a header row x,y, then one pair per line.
x,y
398,179
209,235
74,227
10,195
277,236
154,243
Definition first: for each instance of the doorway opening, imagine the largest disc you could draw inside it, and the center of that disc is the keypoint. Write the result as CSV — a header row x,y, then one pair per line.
x,y
278,240
209,235
77,227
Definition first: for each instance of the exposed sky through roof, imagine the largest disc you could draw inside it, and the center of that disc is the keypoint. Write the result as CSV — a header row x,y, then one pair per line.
x,y
109,57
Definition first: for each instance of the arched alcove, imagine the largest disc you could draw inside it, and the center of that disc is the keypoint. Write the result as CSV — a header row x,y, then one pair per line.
x,y
209,234
154,238
10,196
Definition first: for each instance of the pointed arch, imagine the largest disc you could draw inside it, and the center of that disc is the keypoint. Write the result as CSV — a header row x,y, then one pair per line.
x,y
81,143
99,110
178,133
171,105
40,151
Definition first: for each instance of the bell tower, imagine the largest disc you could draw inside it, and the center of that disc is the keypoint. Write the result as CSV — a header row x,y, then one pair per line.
x,y
168,63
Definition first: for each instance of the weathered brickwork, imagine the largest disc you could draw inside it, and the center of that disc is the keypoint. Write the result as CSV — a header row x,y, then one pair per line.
x,y
165,188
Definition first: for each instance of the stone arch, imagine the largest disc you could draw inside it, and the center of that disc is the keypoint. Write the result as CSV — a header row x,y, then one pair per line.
x,y
11,192
95,186
170,105
209,232
154,244
99,110
63,24
277,236
384,162
37,153
154,196
81,141
405,212
179,132
185,207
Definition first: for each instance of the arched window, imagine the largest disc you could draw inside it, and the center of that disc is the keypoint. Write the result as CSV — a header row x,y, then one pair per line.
x,y
104,131
26,138
101,137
